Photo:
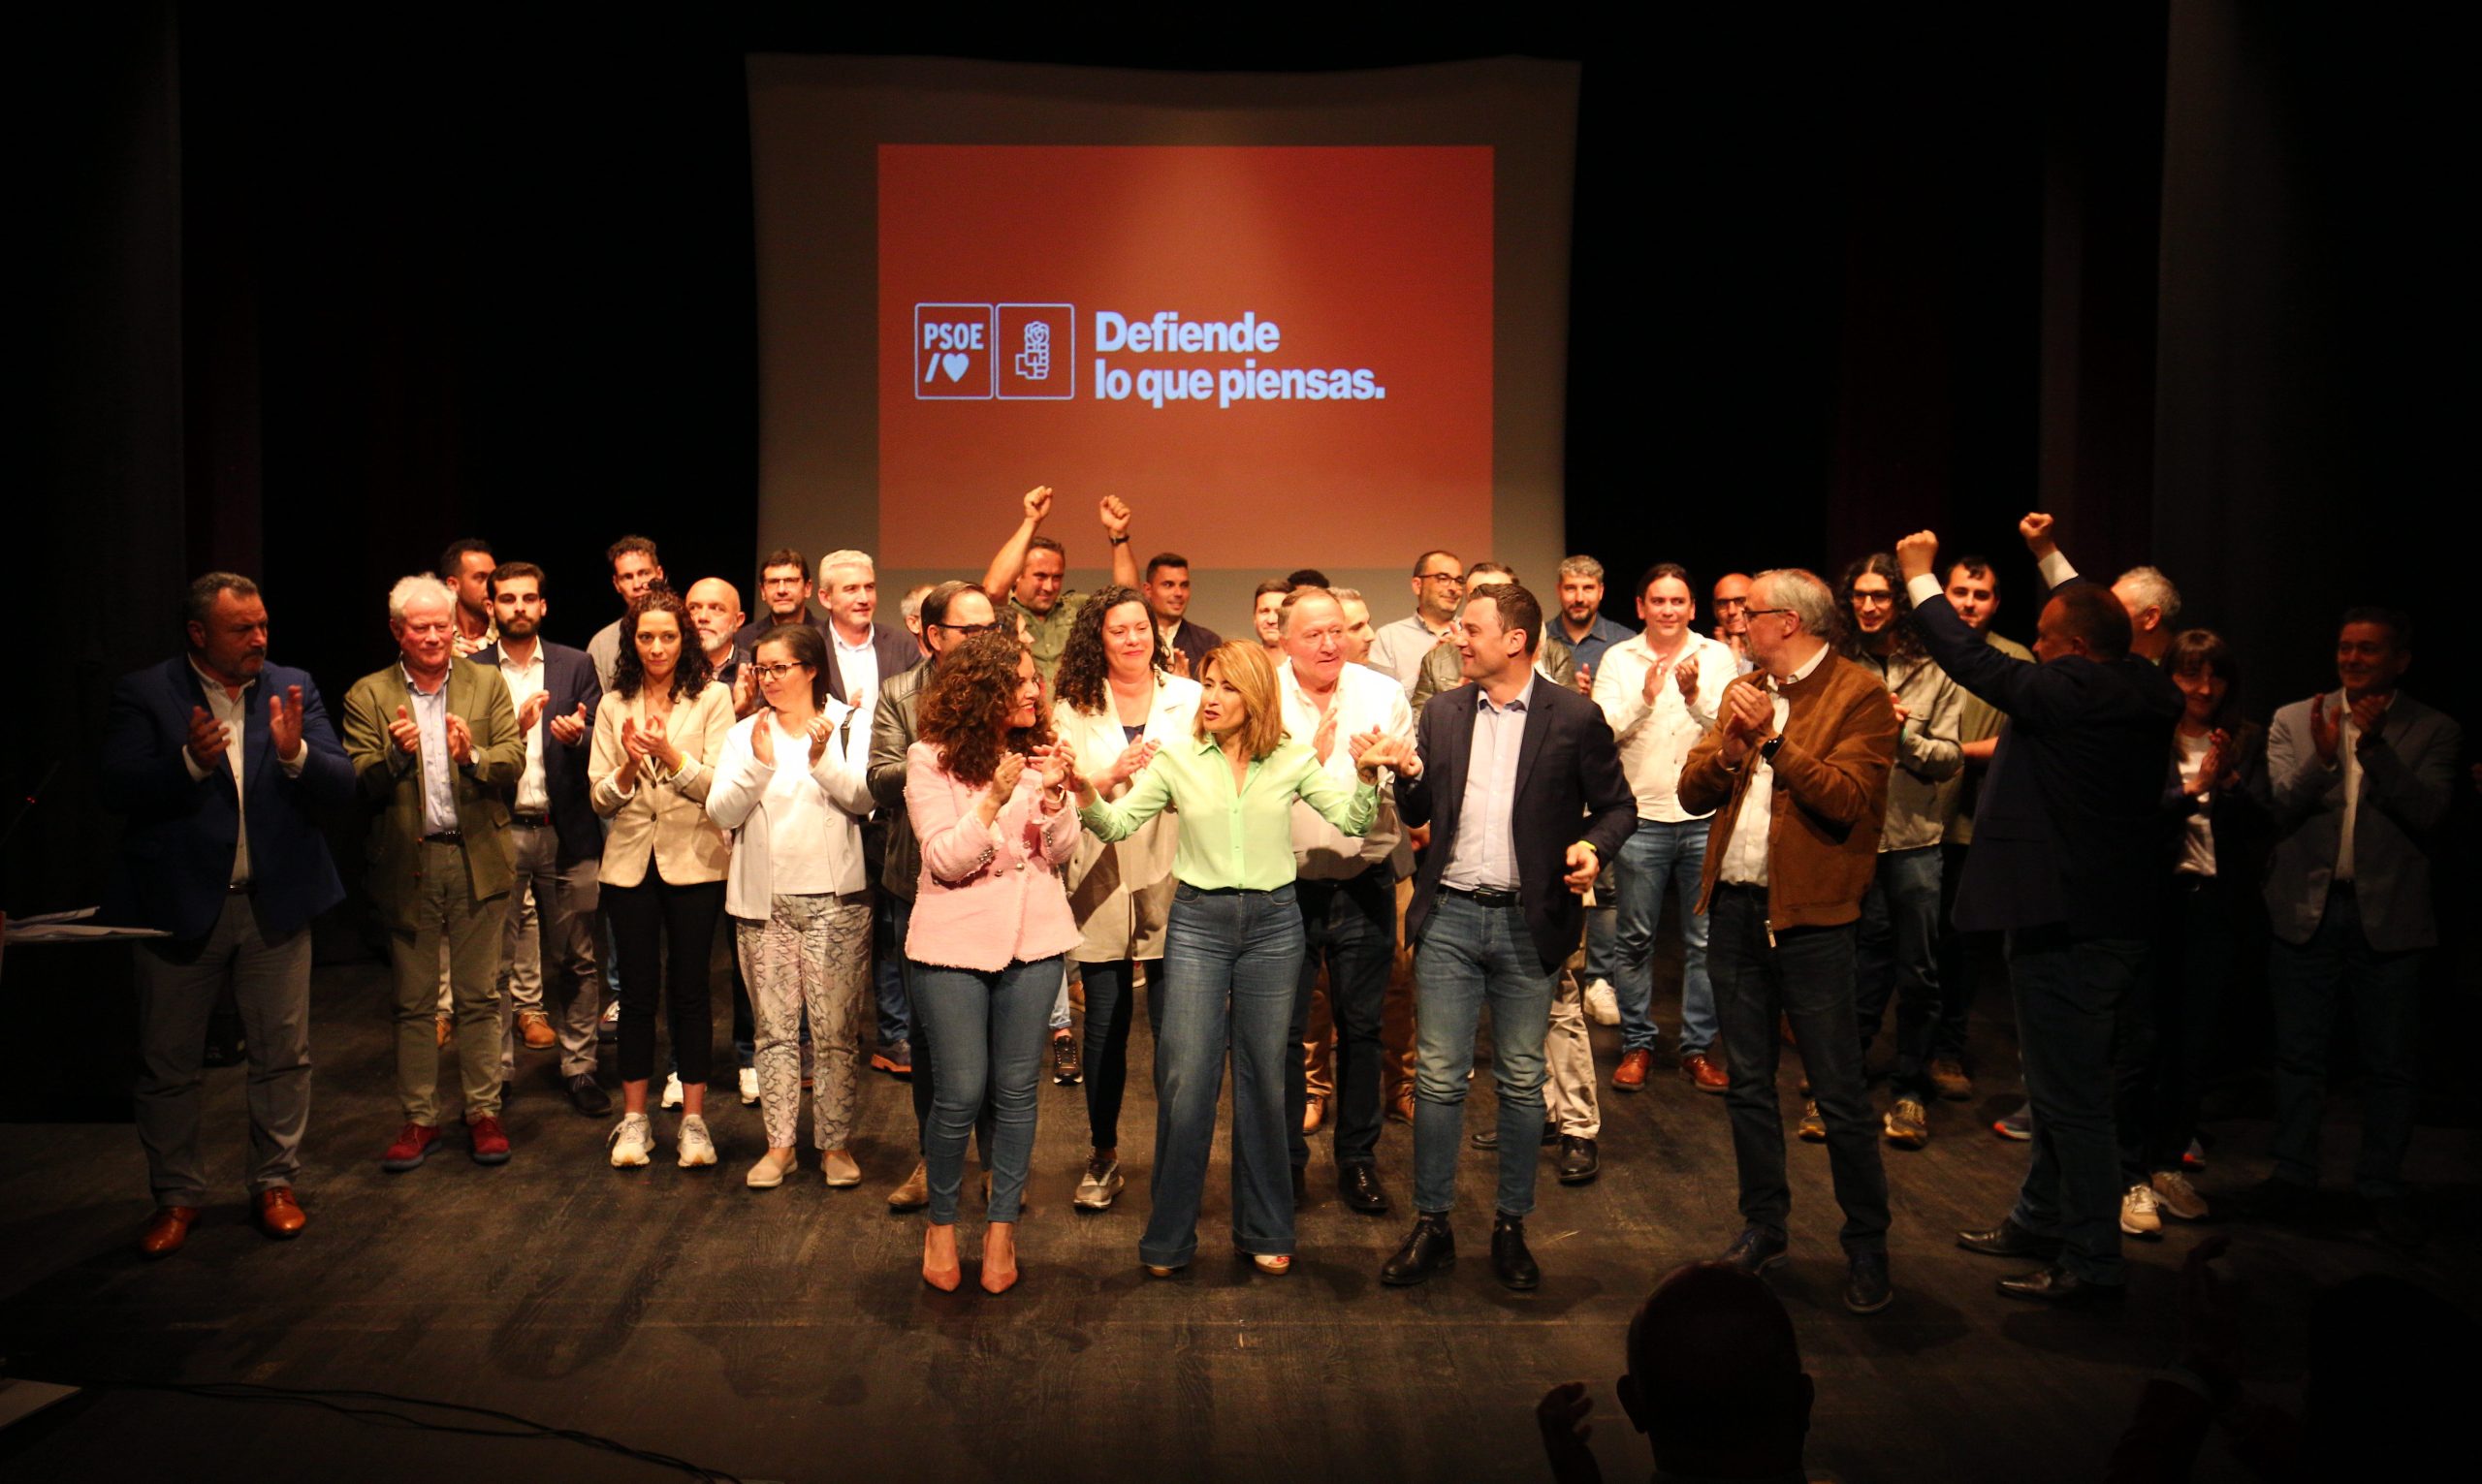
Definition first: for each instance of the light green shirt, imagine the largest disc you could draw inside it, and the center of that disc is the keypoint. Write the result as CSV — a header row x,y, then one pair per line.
x,y
1230,838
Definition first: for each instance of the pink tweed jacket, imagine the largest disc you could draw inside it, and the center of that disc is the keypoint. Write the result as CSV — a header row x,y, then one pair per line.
x,y
987,895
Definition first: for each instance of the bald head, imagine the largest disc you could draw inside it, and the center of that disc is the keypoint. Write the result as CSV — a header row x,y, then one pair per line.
x,y
1715,1378
715,609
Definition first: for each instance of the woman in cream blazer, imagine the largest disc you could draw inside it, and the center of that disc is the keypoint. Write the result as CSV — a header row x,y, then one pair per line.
x,y
657,735
1116,705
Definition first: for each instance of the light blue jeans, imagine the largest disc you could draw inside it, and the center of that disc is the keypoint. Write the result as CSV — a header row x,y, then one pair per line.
x,y
1471,954
990,1033
1231,959
1661,853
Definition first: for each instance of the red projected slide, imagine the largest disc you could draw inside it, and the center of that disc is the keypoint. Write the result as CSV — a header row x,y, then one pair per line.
x,y
1281,354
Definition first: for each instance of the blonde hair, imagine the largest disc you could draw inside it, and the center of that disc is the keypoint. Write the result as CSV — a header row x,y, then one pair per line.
x,y
1247,669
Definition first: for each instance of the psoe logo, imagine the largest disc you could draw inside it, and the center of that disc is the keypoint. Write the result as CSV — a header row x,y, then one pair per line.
x,y
952,352
1011,351
1038,347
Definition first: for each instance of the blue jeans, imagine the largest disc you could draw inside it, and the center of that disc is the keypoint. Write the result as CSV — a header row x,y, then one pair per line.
x,y
2068,991
1897,956
1805,976
1660,854
887,968
1471,954
2382,992
1603,933
1351,925
990,1031
1230,964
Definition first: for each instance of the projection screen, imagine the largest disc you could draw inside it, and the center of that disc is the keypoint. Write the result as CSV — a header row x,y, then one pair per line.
x,y
1294,319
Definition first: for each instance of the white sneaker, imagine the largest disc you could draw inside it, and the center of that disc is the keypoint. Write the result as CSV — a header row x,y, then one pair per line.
x,y
1100,1183
2140,1215
672,1089
770,1171
750,1086
1603,1005
696,1148
631,1141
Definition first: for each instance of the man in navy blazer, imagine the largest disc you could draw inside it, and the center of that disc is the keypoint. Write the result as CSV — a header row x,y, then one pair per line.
x,y
221,762
1520,782
558,840
2067,838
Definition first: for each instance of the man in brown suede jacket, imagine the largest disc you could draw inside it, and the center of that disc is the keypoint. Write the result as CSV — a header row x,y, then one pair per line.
x,y
1796,772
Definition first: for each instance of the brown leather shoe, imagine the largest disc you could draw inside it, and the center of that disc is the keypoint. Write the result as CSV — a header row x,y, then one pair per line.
x,y
536,1028
166,1230
1631,1075
1400,1109
444,1027
1705,1073
279,1214
1314,1112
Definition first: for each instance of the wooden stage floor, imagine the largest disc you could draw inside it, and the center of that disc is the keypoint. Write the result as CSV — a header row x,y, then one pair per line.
x,y
784,1334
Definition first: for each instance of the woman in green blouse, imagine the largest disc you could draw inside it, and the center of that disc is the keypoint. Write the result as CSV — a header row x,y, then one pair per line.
x,y
1232,953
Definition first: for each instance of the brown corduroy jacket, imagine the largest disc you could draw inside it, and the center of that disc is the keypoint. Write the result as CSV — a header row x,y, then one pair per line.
x,y
1830,795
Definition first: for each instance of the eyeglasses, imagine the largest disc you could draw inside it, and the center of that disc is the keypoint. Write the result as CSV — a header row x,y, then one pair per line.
x,y
1441,577
775,672
968,628
1761,612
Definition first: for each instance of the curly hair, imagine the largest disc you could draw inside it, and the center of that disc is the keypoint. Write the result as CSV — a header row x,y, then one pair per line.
x,y
1083,664
688,676
1904,640
965,712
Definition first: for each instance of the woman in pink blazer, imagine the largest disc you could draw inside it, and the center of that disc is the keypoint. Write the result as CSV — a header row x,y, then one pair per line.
x,y
986,791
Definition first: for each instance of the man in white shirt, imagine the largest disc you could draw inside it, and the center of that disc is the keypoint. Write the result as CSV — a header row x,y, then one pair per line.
x,y
1660,691
1346,886
1439,586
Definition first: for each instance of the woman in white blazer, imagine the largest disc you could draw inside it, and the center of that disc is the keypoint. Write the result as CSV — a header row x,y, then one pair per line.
x,y
793,784
1115,704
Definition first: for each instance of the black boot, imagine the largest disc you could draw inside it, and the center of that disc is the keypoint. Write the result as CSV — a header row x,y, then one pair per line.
x,y
1430,1247
1509,1259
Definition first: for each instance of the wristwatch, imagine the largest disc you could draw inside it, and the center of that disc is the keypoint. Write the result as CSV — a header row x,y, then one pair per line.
x,y
1766,749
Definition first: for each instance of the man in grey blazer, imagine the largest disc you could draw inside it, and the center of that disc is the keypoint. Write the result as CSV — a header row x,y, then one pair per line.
x,y
2359,782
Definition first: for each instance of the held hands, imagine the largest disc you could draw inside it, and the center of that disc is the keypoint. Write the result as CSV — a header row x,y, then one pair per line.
x,y
461,741
284,722
402,731
1037,503
2326,729
208,737
1114,512
1918,554
532,711
1003,782
567,729
2036,528
1054,766
2369,718
1374,749
1130,764
1583,867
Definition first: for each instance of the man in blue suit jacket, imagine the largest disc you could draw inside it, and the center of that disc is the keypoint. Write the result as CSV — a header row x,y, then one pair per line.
x,y
1520,782
2066,836
558,839
221,760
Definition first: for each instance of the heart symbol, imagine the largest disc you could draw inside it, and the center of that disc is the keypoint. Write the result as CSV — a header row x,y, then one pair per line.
x,y
954,363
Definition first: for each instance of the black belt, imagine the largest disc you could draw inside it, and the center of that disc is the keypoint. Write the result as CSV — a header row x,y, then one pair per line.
x,y
1483,897
241,889
445,838
533,821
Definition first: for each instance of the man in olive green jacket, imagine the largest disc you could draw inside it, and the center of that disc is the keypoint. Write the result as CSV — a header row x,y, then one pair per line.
x,y
436,752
